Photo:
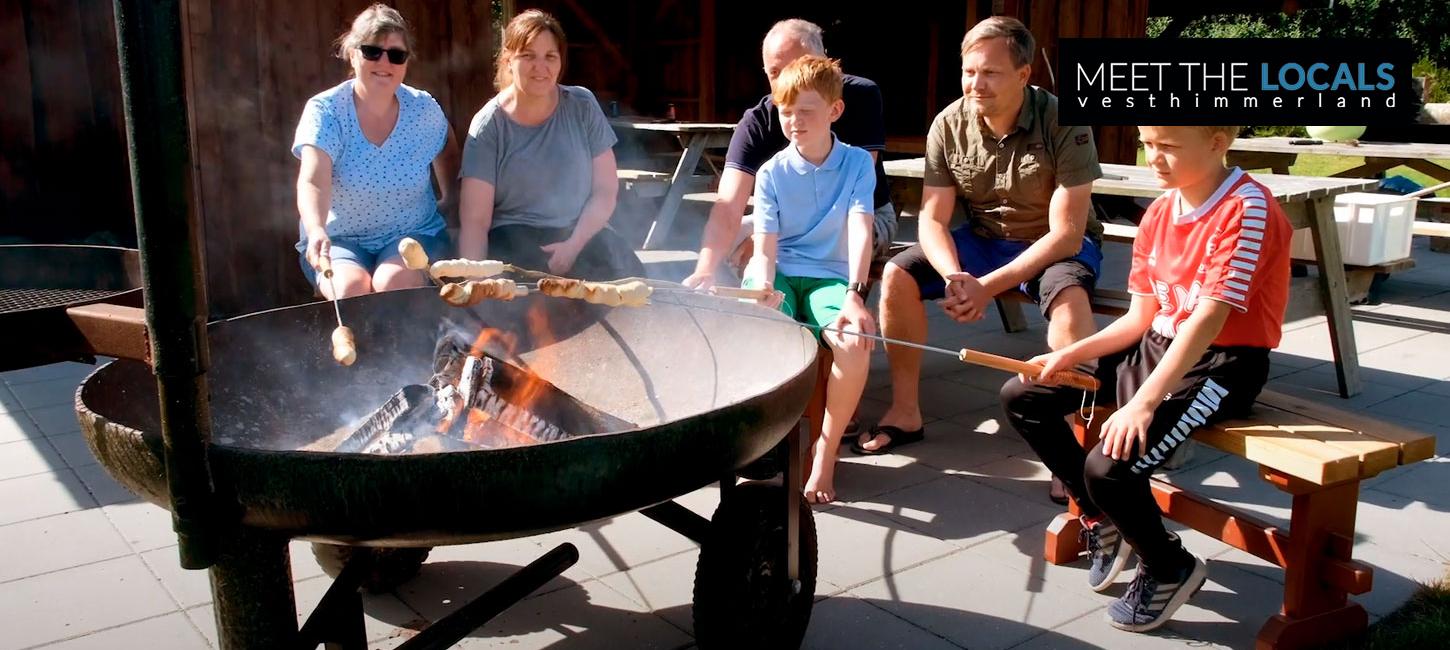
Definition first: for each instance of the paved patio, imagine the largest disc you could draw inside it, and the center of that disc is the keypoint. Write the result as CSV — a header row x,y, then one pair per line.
x,y
935,548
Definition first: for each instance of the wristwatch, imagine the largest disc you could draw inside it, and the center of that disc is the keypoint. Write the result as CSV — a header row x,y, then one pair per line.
x,y
858,288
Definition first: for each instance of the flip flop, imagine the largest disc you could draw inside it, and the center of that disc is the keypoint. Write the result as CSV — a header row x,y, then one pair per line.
x,y
1059,500
899,437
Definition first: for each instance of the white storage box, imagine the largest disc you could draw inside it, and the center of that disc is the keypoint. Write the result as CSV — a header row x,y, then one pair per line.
x,y
1373,229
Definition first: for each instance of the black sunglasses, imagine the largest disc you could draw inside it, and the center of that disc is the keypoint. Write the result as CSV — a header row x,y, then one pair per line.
x,y
373,53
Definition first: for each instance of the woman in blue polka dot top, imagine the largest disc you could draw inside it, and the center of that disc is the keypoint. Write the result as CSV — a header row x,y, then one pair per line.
x,y
368,146
539,181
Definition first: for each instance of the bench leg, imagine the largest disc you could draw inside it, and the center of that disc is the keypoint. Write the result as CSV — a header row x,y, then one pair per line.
x,y
1062,544
1316,612
1013,320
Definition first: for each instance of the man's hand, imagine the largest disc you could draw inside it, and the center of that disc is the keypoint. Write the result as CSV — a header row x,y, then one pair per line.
x,y
854,317
562,255
1125,428
966,299
741,255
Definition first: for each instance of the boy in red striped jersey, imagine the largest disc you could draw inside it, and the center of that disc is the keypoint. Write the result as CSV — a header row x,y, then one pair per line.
x,y
1210,280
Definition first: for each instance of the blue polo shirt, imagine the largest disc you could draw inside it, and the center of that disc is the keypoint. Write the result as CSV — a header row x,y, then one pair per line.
x,y
807,206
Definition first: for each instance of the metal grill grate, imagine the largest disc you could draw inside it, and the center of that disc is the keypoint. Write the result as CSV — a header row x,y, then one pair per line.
x,y
12,300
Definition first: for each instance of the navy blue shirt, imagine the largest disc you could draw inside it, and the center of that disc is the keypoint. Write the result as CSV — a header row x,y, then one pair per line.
x,y
758,136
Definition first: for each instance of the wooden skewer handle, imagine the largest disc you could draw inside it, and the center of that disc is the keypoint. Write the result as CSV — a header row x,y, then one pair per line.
x,y
738,292
324,265
1071,378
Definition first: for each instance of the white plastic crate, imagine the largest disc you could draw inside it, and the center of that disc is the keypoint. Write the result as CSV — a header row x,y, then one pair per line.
x,y
1373,229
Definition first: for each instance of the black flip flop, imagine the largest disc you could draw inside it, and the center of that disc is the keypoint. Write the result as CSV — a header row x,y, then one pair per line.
x,y
899,437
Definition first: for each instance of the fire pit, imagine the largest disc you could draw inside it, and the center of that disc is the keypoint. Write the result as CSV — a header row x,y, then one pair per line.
x,y
640,405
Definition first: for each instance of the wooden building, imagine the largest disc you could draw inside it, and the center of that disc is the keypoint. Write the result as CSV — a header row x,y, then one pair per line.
x,y
251,65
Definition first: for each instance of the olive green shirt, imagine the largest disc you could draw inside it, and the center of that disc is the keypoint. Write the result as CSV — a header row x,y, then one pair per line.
x,y
1008,183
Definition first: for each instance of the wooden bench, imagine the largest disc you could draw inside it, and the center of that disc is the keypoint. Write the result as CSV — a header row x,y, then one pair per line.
x,y
1318,455
1432,219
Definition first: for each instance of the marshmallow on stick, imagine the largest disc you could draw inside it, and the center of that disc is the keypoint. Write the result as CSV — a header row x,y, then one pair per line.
x,y
344,347
472,292
414,257
467,269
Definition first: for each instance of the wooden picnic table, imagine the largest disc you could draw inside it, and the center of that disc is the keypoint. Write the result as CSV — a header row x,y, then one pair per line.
x,y
694,138
1308,202
1277,153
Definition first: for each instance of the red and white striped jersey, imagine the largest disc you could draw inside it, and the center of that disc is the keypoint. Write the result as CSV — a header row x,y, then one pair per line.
x,y
1234,249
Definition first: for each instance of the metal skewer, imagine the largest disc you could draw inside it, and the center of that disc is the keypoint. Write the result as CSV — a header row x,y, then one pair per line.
x,y
1071,378
325,262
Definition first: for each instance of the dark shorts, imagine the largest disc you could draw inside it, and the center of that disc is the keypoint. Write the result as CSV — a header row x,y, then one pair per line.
x,y
350,251
981,255
606,257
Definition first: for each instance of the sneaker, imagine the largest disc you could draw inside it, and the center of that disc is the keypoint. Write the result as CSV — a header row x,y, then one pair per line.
x,y
1107,553
1149,603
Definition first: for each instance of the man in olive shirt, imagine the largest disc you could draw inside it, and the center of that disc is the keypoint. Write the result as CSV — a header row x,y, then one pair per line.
x,y
1027,185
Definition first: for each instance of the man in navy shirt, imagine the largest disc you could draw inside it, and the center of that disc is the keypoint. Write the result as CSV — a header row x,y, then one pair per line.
x,y
758,136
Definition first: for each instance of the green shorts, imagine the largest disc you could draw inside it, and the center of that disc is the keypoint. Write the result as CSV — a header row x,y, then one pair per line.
x,y
813,301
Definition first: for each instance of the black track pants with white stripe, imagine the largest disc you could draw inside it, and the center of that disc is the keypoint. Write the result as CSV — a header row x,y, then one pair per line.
x,y
1222,385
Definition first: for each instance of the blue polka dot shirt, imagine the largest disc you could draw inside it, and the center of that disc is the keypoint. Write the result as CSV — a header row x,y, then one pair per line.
x,y
379,193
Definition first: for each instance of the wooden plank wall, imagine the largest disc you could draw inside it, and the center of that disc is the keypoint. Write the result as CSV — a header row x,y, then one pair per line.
x,y
247,94
63,170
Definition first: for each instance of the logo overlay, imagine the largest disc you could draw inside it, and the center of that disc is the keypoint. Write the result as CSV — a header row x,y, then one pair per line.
x,y
1207,81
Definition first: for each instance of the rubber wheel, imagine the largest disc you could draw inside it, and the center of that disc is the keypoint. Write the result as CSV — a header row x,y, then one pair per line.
x,y
390,567
743,596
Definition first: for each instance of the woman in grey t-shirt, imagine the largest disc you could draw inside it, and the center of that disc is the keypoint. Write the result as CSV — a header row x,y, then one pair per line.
x,y
538,173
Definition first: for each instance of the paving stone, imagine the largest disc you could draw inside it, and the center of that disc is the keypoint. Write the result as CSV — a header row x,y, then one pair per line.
x,y
1427,481
454,574
144,526
954,446
27,457
187,588
585,616
665,587
1417,406
1441,388
385,617
617,544
55,420
51,392
873,478
68,370
848,622
8,402
1314,343
960,511
1323,387
1408,361
101,486
974,602
170,632
42,495
76,601
1401,525
52,543
73,449
855,547
16,426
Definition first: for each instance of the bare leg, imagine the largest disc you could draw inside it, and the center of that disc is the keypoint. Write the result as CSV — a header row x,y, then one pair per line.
x,y
849,366
349,279
903,316
391,274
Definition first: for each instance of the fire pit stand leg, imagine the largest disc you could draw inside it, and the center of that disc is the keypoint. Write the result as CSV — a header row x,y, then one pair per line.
x,y
251,584
794,482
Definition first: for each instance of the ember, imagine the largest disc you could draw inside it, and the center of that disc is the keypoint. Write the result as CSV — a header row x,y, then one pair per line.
x,y
475,400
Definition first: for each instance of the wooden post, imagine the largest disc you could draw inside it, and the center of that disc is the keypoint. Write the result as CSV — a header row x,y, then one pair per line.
x,y
1321,531
1333,287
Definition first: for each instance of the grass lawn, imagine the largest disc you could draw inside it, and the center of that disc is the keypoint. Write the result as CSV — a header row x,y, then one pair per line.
x,y
1316,165
1423,622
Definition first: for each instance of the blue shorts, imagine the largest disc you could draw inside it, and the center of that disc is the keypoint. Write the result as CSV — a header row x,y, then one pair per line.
x,y
350,251
980,255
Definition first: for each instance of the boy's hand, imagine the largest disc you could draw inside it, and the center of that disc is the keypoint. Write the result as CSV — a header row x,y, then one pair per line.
x,y
1052,363
1125,427
699,281
966,299
562,255
855,317
772,298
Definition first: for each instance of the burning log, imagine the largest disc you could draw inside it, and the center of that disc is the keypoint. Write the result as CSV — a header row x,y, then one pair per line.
x,y
474,401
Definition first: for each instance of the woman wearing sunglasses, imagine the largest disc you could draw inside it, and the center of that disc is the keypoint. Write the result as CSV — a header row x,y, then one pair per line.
x,y
368,146
539,181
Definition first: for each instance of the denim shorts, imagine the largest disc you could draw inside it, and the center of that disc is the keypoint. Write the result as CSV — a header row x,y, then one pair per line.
x,y
350,251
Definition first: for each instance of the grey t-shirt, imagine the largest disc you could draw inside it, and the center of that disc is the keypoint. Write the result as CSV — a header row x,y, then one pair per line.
x,y
542,175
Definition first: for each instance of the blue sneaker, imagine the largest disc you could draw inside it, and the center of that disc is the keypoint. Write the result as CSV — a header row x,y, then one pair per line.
x,y
1149,603
1107,553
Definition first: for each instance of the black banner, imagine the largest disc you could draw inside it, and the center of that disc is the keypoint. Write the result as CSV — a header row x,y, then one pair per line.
x,y
1257,81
